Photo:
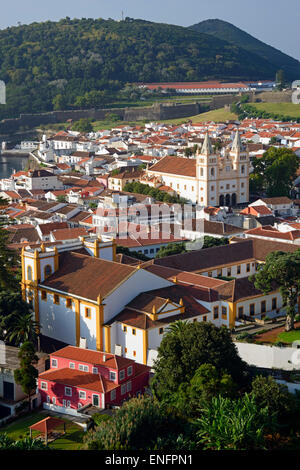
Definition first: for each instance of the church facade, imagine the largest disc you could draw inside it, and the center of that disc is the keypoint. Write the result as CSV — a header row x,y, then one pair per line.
x,y
209,179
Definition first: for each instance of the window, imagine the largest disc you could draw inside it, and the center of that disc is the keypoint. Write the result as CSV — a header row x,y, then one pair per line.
x,y
219,272
133,331
195,320
54,400
216,313
248,267
252,309
124,328
56,299
185,187
47,271
68,404
48,399
201,171
160,331
44,295
177,186
123,389
72,365
88,313
125,350
53,362
204,318
95,370
64,403
68,391
69,303
44,386
224,312
129,388
228,272
238,269
79,405
210,274
113,395
29,273
263,306
192,188
83,367
243,169
82,395
240,312
129,371
212,172
134,353
122,374
274,303
112,375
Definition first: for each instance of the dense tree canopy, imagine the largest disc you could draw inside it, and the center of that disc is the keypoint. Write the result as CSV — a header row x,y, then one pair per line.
x,y
184,349
83,62
141,424
275,172
281,270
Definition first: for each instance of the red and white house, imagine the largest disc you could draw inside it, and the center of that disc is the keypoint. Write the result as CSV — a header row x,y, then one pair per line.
x,y
80,377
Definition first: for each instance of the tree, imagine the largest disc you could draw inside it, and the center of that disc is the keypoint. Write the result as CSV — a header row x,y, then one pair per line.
x,y
6,443
59,102
8,262
276,397
280,79
275,172
27,374
281,270
16,323
171,249
22,328
206,383
61,198
227,424
181,354
83,125
214,241
140,424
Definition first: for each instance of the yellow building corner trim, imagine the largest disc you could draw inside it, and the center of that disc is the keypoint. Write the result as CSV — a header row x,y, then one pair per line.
x,y
145,346
77,321
232,314
107,339
99,324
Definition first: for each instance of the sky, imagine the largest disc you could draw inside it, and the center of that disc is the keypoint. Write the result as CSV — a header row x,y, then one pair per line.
x,y
272,21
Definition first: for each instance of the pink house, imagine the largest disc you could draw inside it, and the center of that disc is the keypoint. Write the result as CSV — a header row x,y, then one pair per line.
x,y
79,377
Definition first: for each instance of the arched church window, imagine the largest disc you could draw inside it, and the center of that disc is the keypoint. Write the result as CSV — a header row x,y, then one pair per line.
x,y
212,172
29,273
47,270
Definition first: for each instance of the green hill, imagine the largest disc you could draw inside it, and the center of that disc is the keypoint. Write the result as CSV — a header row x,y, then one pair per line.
x,y
230,33
62,61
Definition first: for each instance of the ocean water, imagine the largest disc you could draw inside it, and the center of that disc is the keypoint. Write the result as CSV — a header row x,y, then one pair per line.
x,y
10,163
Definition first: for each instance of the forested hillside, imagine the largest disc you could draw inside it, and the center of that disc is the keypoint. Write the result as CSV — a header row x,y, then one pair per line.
x,y
56,65
230,33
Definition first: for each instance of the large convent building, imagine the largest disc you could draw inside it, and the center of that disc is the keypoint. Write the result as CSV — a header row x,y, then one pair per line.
x,y
210,179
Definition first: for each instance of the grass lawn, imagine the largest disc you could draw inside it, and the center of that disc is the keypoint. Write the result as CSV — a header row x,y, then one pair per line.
x,y
288,109
289,337
19,429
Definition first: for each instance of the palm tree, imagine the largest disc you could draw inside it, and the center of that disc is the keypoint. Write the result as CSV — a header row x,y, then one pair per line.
x,y
177,327
22,328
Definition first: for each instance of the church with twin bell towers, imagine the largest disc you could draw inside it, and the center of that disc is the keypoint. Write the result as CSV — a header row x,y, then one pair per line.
x,y
209,179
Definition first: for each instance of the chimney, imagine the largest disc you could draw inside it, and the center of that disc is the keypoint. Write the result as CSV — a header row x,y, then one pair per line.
x,y
104,357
